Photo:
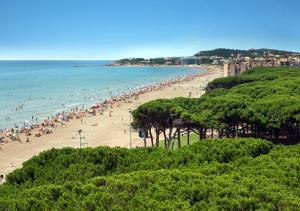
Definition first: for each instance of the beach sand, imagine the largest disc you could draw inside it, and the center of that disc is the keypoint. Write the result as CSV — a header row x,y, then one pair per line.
x,y
101,129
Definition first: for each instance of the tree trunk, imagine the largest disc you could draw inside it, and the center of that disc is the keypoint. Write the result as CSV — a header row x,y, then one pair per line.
x,y
247,126
170,137
156,138
173,145
204,133
188,136
271,134
145,140
165,136
227,132
200,133
244,131
179,142
220,132
151,137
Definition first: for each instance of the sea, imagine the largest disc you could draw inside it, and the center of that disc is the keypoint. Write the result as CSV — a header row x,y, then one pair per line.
x,y
31,91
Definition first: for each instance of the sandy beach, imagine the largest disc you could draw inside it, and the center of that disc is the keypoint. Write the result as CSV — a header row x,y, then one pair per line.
x,y
109,129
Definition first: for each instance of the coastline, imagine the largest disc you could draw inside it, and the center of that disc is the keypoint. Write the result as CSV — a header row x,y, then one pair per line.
x,y
150,65
14,133
105,123
85,87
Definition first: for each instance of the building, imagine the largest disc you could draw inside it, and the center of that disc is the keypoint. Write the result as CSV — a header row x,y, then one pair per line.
x,y
226,69
234,69
229,69
243,68
192,60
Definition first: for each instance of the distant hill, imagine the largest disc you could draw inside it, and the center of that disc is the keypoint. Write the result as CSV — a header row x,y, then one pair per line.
x,y
151,61
224,52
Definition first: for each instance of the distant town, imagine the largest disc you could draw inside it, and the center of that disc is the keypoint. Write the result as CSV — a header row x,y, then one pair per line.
x,y
232,61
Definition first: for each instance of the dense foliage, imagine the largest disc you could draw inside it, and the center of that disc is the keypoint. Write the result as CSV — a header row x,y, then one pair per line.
x,y
226,53
261,103
231,174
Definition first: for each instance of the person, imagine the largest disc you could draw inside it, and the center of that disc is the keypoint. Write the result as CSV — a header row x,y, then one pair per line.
x,y
1,178
27,139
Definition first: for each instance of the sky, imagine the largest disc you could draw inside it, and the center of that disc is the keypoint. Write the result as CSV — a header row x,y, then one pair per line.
x,y
114,29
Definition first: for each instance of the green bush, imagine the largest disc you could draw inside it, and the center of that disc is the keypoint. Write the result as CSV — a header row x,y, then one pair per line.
x,y
234,174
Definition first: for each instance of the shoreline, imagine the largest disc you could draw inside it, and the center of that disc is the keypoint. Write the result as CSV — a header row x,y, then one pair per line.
x,y
34,120
103,124
59,118
149,65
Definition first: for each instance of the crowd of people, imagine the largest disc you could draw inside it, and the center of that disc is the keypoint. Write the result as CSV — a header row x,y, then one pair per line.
x,y
48,125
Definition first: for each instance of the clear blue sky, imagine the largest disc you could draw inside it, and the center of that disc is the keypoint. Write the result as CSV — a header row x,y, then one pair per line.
x,y
111,29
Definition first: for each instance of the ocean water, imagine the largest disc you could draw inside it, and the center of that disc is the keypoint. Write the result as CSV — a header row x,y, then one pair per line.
x,y
31,91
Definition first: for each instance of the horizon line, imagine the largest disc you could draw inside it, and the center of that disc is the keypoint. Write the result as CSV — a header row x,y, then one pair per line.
x,y
145,57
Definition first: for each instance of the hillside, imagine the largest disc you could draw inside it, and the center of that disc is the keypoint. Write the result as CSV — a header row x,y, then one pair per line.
x,y
142,61
212,174
226,53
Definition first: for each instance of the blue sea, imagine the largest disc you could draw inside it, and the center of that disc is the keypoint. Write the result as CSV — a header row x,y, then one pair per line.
x,y
31,91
